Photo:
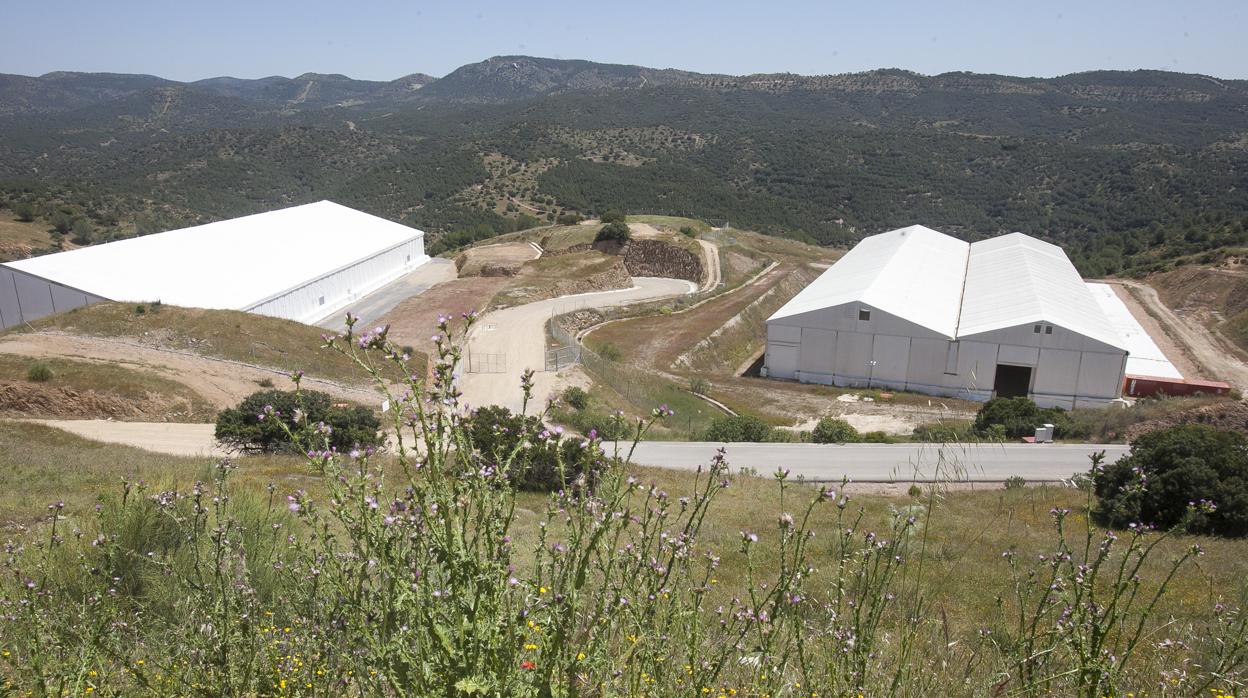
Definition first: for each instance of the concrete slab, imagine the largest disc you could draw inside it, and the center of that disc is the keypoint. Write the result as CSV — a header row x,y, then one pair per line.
x,y
372,307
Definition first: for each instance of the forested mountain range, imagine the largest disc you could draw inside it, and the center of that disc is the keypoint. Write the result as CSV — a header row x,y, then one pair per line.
x,y
1122,168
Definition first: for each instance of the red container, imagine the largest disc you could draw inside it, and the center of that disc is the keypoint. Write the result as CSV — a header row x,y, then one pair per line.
x,y
1148,386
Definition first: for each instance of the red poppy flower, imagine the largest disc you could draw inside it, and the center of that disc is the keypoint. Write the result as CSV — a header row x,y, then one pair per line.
x,y
527,665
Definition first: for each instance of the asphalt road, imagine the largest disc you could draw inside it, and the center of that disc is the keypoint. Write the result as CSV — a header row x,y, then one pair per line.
x,y
887,462
858,462
372,307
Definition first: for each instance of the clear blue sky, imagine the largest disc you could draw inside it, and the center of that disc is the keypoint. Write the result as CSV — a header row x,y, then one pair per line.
x,y
192,39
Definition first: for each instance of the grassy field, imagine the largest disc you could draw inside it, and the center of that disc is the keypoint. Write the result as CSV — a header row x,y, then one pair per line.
x,y
959,553
148,395
227,334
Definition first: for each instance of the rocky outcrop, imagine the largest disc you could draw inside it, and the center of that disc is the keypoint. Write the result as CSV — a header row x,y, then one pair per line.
x,y
658,258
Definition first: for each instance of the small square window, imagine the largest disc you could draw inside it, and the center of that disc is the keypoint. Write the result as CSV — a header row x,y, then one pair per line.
x,y
321,300
1048,329
864,314
1037,329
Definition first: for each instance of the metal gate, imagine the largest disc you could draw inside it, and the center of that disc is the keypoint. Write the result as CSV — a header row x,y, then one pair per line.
x,y
487,363
562,357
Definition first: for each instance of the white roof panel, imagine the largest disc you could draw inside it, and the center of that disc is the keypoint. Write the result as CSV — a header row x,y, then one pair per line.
x,y
230,264
1145,357
914,273
1016,280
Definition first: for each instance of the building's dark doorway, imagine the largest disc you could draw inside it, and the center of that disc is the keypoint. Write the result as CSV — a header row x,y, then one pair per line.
x,y
1012,381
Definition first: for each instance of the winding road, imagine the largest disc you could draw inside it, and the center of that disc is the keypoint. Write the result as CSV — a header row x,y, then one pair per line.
x,y
505,342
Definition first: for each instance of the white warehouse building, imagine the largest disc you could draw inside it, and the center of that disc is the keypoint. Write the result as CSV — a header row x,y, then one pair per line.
x,y
915,309
302,263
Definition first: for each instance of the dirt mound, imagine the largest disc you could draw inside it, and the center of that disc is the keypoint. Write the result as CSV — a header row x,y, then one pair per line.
x,y
1231,416
655,258
1222,289
501,260
19,399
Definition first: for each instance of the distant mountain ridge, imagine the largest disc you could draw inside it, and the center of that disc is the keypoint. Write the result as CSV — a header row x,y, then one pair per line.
x,y
503,79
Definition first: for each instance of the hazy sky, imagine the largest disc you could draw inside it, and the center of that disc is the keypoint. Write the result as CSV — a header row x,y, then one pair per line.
x,y
189,39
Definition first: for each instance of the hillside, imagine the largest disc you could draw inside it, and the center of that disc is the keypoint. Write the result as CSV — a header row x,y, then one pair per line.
x,y
1121,168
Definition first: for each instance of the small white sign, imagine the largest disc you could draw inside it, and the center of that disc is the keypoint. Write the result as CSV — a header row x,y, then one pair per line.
x,y
385,405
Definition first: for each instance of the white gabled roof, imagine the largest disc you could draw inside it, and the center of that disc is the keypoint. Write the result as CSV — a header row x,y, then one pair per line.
x,y
960,289
1144,357
1016,279
914,273
231,264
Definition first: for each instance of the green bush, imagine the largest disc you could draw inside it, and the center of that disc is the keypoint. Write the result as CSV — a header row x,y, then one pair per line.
x,y
1019,416
576,397
699,385
1015,482
612,216
877,437
39,372
1192,477
260,423
616,231
569,219
741,427
539,460
688,231
24,212
833,431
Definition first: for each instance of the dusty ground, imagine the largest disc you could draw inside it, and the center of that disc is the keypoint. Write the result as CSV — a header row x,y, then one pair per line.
x,y
221,382
1178,354
174,439
415,320
503,259
710,262
24,399
1211,352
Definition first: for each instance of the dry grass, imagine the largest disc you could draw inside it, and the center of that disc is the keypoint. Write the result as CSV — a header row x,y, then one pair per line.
x,y
227,334
959,545
575,272
17,239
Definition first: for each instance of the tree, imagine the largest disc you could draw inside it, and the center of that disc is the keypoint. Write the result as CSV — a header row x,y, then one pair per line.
x,y
83,233
612,216
24,212
256,424
616,231
62,222
1191,476
833,431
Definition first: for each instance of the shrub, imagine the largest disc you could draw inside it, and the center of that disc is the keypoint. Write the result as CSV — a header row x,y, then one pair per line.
x,y
576,397
265,382
699,385
1019,416
1015,482
915,491
688,231
612,216
833,431
943,432
24,212
737,428
616,231
264,422
610,352
536,458
1192,477
569,219
39,372
877,437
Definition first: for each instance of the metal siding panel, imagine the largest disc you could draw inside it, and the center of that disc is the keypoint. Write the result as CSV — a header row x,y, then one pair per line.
x,y
1025,356
818,348
853,355
1057,372
892,357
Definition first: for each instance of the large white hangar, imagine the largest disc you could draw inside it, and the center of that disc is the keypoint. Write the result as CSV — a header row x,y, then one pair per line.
x,y
915,309
301,263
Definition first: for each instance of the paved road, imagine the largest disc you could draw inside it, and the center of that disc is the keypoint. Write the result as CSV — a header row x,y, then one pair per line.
x,y
506,342
887,462
858,462
372,307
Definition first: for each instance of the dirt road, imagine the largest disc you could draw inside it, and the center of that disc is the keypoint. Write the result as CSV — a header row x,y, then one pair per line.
x,y
160,437
1207,350
506,342
220,381
710,254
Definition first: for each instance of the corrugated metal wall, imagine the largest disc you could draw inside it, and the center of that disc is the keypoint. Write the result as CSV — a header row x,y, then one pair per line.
x,y
331,293
25,297
834,346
